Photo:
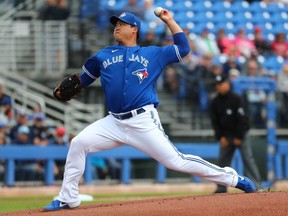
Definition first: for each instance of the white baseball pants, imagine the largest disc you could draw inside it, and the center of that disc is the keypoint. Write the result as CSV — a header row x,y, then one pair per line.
x,y
145,133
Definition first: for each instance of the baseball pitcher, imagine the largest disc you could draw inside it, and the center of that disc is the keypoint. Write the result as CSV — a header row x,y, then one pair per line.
x,y
128,75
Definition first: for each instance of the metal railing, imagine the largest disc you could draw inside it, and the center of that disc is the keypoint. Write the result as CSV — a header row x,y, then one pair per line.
x,y
28,5
73,115
37,47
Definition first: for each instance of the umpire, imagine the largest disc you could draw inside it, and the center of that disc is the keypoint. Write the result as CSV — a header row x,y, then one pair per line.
x,y
230,124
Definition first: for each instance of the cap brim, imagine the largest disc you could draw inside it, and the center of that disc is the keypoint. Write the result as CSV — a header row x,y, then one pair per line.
x,y
113,20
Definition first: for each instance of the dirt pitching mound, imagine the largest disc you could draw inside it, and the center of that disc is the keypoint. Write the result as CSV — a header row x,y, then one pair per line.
x,y
265,203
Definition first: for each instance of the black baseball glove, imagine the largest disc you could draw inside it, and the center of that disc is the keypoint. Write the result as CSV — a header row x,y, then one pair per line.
x,y
69,88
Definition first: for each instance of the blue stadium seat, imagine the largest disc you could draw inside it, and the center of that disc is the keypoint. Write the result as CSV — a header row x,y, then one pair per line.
x,y
220,59
239,6
276,7
242,17
202,6
273,63
256,7
281,27
194,28
279,17
89,8
229,27
222,6
223,17
262,17
183,6
206,16
114,5
168,4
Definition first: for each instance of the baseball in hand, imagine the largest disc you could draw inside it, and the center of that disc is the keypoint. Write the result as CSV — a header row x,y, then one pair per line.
x,y
157,11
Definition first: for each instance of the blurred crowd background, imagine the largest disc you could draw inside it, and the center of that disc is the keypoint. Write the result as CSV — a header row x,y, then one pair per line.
x,y
232,37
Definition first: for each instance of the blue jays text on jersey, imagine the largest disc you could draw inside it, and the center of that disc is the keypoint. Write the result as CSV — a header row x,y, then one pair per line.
x,y
119,58
128,75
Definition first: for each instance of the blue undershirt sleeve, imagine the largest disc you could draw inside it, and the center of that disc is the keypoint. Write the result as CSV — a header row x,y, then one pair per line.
x,y
181,41
85,79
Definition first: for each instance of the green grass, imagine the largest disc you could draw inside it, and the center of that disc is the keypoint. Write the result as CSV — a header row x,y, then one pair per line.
x,y
18,203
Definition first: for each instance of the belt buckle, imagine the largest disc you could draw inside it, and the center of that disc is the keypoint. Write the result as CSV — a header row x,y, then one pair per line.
x,y
128,114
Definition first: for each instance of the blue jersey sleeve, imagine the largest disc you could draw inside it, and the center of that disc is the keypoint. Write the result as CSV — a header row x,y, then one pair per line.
x,y
91,72
175,52
182,43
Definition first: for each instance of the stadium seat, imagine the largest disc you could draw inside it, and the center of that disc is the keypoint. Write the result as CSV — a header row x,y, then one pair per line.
x,y
207,16
281,27
276,7
239,6
220,59
273,63
256,7
114,5
241,18
262,17
222,6
183,6
223,17
279,17
202,6
229,27
169,4
185,16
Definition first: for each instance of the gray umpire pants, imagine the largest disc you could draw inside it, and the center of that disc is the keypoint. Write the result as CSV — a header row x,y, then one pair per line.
x,y
251,169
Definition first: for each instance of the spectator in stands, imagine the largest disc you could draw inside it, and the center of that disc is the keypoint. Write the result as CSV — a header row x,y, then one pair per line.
x,y
21,119
23,135
199,78
37,111
256,98
263,47
230,64
27,169
244,45
224,44
190,61
170,75
230,123
215,71
135,7
283,89
150,39
106,168
233,74
280,45
4,138
149,15
59,139
204,67
171,80
205,45
101,167
39,130
3,141
54,10
5,105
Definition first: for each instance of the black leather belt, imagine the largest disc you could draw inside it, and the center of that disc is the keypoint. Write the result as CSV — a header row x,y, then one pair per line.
x,y
128,114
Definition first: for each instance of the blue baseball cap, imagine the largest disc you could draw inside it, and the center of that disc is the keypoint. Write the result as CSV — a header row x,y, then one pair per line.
x,y
127,18
2,124
24,129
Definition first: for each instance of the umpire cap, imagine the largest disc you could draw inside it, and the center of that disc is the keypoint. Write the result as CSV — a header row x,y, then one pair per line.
x,y
127,18
220,79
